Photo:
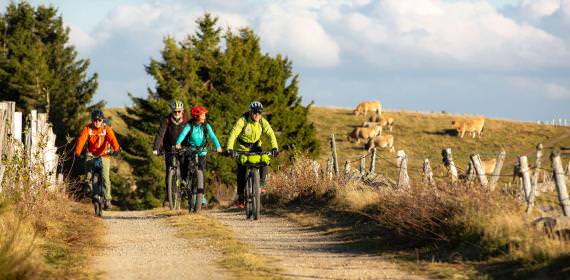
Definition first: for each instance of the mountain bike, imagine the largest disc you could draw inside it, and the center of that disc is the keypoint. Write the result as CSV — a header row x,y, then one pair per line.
x,y
97,189
174,179
252,191
195,186
98,198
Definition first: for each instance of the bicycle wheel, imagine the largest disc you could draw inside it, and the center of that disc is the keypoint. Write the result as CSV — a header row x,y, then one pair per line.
x,y
173,189
199,176
97,193
256,194
249,195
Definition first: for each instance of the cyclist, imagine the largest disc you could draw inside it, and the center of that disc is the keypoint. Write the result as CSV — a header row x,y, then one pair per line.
x,y
248,131
169,130
101,141
198,132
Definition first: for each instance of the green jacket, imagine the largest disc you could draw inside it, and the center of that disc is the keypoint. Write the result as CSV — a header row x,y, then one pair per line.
x,y
248,134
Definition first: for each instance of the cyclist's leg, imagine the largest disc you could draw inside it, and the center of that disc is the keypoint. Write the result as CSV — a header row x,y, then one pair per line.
x,y
202,167
168,161
241,181
106,174
263,174
88,168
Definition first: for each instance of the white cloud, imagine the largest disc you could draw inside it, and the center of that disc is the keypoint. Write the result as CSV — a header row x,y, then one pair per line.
x,y
557,91
298,34
536,9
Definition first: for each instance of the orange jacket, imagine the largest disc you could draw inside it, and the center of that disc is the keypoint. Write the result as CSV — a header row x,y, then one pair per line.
x,y
98,140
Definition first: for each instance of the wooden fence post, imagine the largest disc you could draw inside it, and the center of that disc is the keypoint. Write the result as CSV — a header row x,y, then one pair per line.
x,y
372,162
476,160
402,163
334,156
362,166
497,170
330,168
2,169
534,188
558,173
470,174
448,162
428,173
526,185
347,167
316,168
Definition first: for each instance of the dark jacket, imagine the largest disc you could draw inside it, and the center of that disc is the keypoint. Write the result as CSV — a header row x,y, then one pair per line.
x,y
168,133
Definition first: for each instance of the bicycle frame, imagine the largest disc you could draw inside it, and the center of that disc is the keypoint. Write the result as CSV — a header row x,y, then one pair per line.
x,y
253,185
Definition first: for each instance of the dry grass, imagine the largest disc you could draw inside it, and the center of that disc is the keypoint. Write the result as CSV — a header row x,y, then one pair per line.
x,y
453,224
43,234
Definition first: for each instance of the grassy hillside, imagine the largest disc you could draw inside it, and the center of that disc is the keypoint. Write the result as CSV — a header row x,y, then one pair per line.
x,y
424,135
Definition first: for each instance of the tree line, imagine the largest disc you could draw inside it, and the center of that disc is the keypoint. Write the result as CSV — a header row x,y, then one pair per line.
x,y
222,70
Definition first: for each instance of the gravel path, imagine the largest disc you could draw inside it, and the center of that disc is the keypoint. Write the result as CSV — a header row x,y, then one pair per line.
x,y
141,245
307,254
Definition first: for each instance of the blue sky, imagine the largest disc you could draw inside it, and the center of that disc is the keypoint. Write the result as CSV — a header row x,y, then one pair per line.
x,y
504,59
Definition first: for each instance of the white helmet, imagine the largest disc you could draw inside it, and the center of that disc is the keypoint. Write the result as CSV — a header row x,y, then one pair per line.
x,y
176,105
255,106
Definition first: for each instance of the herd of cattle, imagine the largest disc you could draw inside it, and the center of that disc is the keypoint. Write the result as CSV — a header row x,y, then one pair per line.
x,y
371,131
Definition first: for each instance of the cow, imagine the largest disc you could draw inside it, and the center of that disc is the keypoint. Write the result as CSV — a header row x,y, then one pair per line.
x,y
388,122
474,126
368,106
382,141
363,133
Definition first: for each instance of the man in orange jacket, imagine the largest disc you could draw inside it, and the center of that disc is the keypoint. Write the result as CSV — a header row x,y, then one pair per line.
x,y
100,138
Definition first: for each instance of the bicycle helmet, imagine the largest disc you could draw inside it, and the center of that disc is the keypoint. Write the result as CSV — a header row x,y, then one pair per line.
x,y
198,110
255,106
176,105
97,114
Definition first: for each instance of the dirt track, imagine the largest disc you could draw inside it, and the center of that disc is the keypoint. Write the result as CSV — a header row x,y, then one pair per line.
x,y
307,254
141,245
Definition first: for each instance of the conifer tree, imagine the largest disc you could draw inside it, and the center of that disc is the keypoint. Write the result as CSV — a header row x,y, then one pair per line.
x,y
225,80
40,70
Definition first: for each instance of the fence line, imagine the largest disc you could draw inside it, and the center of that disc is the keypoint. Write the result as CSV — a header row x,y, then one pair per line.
x,y
39,141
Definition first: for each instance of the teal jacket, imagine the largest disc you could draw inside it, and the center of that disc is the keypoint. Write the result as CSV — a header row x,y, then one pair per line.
x,y
198,138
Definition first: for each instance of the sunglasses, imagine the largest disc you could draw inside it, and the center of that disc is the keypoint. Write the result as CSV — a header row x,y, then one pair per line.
x,y
98,120
256,113
178,112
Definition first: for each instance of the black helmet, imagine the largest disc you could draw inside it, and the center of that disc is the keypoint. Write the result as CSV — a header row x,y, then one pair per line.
x,y
255,106
97,114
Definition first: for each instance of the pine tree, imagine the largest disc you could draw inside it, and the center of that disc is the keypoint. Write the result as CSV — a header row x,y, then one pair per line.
x,y
199,72
40,70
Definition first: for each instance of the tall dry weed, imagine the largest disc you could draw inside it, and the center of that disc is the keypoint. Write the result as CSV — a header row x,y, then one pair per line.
x,y
16,246
298,181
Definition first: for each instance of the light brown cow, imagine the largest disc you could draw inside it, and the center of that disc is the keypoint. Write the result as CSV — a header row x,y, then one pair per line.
x,y
363,133
382,141
368,106
386,121
474,126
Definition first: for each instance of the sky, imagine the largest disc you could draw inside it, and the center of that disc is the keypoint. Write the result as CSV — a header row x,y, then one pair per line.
x,y
502,59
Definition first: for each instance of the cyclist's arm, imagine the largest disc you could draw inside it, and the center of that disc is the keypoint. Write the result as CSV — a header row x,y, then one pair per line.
x,y
81,139
183,134
112,139
212,136
159,139
269,132
236,130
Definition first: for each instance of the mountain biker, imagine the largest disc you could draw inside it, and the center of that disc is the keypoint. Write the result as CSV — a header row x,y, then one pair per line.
x,y
101,141
248,131
198,132
170,128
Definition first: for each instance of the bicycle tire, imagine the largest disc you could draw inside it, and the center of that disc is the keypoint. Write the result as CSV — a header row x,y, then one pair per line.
x,y
256,195
98,194
199,194
249,195
173,189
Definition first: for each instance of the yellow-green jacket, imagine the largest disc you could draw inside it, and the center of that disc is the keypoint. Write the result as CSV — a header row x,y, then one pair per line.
x,y
248,134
